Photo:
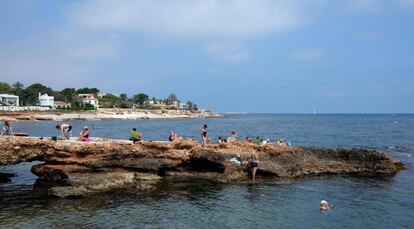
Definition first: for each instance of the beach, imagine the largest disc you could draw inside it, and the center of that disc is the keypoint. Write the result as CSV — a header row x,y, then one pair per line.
x,y
103,114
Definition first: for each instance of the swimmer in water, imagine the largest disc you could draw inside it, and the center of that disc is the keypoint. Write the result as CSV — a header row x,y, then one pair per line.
x,y
324,206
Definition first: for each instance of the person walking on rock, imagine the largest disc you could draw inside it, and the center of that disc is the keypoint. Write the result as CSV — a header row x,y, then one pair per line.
x,y
204,135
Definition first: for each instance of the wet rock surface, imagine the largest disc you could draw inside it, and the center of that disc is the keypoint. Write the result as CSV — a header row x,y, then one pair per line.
x,y
81,169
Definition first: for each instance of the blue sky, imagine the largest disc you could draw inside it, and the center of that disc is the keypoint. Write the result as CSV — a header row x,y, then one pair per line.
x,y
254,56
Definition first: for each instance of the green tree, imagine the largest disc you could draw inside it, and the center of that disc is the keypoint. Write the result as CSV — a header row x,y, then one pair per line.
x,y
5,88
124,97
69,95
18,88
190,105
140,98
110,101
171,99
87,90
31,93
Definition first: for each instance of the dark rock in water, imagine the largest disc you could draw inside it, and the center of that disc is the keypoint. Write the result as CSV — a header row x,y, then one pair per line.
x,y
5,177
81,169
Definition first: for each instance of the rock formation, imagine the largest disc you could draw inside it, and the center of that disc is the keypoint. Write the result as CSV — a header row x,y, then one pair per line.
x,y
79,169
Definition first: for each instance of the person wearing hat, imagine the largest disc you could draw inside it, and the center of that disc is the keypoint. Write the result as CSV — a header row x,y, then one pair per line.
x,y
324,205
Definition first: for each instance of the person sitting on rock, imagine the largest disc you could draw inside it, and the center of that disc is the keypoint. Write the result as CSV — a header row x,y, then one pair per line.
x,y
64,130
135,135
174,137
233,137
7,129
84,135
324,206
258,142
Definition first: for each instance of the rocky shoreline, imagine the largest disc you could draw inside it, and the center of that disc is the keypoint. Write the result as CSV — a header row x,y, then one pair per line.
x,y
82,169
102,114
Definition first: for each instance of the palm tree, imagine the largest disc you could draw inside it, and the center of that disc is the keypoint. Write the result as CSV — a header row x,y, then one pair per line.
x,y
18,89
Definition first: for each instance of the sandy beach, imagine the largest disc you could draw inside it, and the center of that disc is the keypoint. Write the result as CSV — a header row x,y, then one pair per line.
x,y
102,114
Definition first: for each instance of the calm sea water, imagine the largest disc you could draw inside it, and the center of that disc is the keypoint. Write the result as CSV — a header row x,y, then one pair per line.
x,y
358,202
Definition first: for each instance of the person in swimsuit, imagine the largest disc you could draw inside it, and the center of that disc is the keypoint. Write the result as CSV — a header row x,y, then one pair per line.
x,y
64,130
84,135
254,164
204,135
7,129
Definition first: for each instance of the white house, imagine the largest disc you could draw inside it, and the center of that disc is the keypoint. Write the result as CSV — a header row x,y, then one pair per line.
x,y
89,99
62,105
9,100
183,106
46,101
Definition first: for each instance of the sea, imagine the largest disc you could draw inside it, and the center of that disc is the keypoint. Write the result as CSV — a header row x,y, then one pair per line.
x,y
358,202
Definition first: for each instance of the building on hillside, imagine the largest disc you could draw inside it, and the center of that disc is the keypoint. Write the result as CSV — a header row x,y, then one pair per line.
x,y
183,106
62,105
9,100
46,101
89,99
155,103
175,104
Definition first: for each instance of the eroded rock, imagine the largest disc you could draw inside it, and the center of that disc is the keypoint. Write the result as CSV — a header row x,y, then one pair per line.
x,y
80,169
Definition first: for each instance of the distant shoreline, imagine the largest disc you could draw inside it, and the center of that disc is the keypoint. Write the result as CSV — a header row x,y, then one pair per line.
x,y
104,114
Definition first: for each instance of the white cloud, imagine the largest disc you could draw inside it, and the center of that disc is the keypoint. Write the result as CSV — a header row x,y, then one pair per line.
x,y
228,51
308,55
58,58
187,18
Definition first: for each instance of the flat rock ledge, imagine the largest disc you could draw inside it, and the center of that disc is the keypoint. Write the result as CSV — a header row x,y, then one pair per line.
x,y
82,169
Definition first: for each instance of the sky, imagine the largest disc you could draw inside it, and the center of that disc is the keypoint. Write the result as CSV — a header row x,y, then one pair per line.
x,y
262,56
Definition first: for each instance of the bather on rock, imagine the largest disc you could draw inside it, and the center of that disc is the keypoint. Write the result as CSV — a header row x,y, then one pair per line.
x,y
7,129
135,135
64,130
233,137
84,135
253,165
204,135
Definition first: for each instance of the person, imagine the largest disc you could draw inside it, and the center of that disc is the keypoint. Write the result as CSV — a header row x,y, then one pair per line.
x,y
254,164
258,142
64,130
281,142
233,137
171,138
248,140
7,129
135,135
204,135
84,135
220,140
174,137
324,206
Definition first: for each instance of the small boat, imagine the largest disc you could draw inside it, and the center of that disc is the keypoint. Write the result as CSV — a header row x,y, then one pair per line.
x,y
21,134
